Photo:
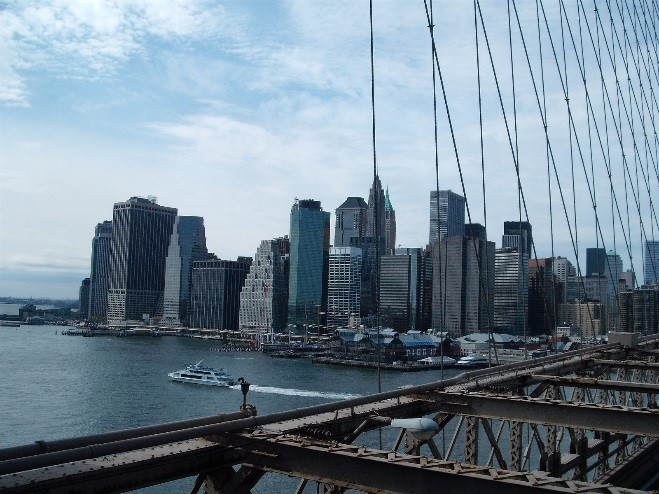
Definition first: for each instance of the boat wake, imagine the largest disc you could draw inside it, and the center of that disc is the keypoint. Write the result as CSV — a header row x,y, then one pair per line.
x,y
299,392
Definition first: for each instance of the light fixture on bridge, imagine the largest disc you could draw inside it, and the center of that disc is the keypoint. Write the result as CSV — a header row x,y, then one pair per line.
x,y
421,429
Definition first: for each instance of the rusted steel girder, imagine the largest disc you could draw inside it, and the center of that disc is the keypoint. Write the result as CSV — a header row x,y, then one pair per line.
x,y
603,418
369,470
587,382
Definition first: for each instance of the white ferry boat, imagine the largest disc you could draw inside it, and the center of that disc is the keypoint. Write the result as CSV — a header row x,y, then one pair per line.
x,y
473,360
199,374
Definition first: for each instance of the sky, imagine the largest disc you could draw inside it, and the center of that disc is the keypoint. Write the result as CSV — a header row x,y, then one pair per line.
x,y
232,110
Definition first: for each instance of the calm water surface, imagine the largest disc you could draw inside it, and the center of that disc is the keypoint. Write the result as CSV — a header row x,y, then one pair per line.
x,y
57,386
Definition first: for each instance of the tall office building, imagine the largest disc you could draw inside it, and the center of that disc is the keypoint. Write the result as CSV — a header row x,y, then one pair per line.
x,y
563,270
376,208
640,310
369,292
613,272
463,284
405,289
545,294
397,292
343,286
351,221
100,271
447,215
83,299
309,237
629,278
141,230
511,290
389,224
588,316
595,261
215,294
518,235
264,296
187,244
651,262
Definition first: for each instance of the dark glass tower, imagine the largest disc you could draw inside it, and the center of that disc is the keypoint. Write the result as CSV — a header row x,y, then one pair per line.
x,y
524,233
100,271
651,262
83,299
187,244
140,237
595,261
215,295
309,258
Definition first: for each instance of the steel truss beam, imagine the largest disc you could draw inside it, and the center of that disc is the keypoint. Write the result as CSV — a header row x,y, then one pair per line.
x,y
604,418
587,382
369,470
124,471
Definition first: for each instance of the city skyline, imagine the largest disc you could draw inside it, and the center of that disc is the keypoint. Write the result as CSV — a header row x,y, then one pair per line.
x,y
231,111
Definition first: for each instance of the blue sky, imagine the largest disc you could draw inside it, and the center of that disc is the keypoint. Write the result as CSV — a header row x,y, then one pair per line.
x,y
231,110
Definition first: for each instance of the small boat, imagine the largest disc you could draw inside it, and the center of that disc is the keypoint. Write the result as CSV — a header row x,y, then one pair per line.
x,y
199,374
473,360
438,360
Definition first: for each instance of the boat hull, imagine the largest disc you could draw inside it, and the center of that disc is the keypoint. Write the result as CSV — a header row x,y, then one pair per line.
x,y
221,384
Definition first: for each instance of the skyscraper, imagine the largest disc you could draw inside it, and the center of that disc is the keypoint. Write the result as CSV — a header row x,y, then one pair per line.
x,y
83,299
651,262
511,290
545,293
264,296
343,286
518,235
563,270
612,271
369,249
100,271
140,236
447,215
463,283
389,224
595,261
187,244
351,221
376,205
215,294
309,237
404,289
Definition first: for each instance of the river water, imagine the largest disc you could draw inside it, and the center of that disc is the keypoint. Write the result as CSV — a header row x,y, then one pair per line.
x,y
55,386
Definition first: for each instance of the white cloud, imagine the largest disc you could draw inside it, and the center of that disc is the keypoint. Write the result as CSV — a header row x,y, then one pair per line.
x,y
90,39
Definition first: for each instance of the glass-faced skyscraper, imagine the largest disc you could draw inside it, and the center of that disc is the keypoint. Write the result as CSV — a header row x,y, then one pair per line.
x,y
187,244
215,292
447,215
309,237
100,271
518,235
140,236
595,261
651,262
